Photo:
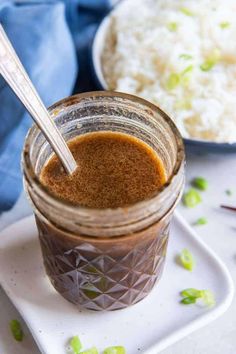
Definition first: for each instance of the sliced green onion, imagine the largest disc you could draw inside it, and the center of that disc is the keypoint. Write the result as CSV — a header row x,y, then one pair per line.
x,y
16,330
173,81
186,11
188,300
191,198
201,221
75,345
200,183
191,295
207,65
187,70
185,75
186,259
172,26
92,350
185,56
224,25
229,192
115,350
211,61
208,297
191,292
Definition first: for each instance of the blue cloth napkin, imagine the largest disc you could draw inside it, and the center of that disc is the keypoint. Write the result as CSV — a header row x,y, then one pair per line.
x,y
52,38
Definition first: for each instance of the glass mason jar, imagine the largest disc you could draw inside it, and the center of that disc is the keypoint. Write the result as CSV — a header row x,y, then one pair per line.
x,y
108,258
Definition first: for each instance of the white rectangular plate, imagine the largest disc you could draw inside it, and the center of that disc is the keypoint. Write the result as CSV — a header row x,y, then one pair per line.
x,y
147,327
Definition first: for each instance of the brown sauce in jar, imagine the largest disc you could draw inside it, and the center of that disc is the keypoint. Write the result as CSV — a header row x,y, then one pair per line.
x,y
114,170
105,273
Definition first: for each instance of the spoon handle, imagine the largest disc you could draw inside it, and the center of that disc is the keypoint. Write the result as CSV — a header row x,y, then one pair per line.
x,y
13,72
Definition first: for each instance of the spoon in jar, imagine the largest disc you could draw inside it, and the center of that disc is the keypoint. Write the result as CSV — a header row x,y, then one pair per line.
x,y
15,75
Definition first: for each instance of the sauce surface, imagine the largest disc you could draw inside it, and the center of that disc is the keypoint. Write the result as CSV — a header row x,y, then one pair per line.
x,y
114,170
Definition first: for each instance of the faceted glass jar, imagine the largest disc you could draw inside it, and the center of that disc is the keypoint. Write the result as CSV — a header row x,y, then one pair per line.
x,y
105,259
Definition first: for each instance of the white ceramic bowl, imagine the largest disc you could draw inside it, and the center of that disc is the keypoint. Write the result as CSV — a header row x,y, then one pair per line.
x,y
97,49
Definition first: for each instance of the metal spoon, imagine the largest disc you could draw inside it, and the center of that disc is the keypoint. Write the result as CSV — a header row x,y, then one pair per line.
x,y
15,75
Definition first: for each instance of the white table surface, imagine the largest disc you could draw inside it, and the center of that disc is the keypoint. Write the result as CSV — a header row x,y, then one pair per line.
x,y
220,233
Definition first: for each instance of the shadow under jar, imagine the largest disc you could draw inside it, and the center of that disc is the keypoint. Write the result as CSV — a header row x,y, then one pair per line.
x,y
105,259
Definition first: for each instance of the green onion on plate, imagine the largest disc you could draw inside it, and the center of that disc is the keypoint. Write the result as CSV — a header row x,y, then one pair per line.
x,y
186,259
200,183
16,330
75,345
191,198
201,221
115,350
229,192
188,300
191,295
191,292
208,298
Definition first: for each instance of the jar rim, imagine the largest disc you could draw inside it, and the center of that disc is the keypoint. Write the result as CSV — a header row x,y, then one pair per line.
x,y
31,176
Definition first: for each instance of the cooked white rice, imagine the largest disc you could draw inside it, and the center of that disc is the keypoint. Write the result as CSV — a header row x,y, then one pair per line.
x,y
151,43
